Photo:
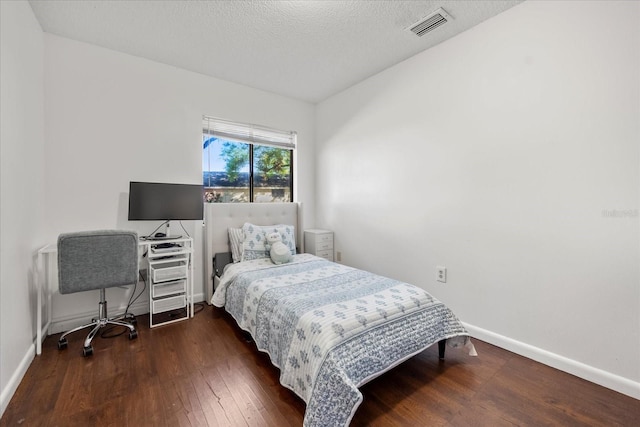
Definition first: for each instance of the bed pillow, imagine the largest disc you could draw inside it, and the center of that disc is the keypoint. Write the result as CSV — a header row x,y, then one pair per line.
x,y
236,237
255,245
288,233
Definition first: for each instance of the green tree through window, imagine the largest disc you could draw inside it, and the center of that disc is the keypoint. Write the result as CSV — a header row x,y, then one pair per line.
x,y
242,172
235,156
246,162
272,162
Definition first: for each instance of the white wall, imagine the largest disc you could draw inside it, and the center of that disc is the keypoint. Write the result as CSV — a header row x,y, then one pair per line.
x,y
521,139
108,118
502,154
112,118
21,187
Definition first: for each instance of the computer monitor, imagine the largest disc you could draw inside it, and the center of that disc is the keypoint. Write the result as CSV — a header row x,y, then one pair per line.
x,y
155,201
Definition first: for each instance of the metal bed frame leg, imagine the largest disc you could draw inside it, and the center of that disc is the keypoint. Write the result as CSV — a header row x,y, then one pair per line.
x,y
441,348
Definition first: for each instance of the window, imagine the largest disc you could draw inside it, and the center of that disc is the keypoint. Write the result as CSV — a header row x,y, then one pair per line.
x,y
246,163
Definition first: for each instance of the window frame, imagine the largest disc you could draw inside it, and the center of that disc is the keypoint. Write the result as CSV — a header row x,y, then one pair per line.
x,y
253,135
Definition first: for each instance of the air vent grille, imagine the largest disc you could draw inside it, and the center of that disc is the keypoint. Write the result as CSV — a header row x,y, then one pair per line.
x,y
430,22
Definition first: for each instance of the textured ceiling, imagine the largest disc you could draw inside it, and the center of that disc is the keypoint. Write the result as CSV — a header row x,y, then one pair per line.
x,y
308,50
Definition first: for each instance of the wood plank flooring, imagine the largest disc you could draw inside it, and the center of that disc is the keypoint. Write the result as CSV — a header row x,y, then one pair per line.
x,y
202,372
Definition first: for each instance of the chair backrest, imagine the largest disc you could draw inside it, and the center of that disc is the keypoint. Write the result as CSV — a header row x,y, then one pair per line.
x,y
97,259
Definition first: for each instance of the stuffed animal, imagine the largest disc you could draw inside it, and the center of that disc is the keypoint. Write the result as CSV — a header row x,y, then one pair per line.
x,y
279,252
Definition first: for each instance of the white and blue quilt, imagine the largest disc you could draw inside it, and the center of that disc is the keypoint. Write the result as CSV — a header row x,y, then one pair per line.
x,y
330,328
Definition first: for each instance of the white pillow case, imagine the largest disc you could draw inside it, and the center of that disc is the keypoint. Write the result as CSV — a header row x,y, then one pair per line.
x,y
236,237
255,245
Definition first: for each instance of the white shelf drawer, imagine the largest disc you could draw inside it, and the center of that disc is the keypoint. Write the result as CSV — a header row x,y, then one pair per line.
x,y
168,288
327,254
170,303
323,246
324,238
169,271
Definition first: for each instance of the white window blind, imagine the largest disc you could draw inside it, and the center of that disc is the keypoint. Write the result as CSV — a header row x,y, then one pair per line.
x,y
253,134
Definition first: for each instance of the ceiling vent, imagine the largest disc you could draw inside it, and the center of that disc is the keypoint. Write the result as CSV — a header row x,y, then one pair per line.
x,y
430,22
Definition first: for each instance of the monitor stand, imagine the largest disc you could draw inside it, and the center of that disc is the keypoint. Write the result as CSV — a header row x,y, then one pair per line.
x,y
166,235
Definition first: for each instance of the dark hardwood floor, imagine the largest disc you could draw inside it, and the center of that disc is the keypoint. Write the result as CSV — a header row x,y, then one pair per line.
x,y
203,373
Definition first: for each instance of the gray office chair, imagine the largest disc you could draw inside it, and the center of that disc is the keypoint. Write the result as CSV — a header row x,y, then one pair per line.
x,y
97,260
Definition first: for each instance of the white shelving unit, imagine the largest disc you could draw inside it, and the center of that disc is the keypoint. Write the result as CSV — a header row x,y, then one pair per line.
x,y
319,243
170,280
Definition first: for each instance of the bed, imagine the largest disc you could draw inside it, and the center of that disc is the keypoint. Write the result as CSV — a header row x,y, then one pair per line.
x,y
328,327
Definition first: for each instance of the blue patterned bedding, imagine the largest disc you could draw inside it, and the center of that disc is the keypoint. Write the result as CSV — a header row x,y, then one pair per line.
x,y
330,328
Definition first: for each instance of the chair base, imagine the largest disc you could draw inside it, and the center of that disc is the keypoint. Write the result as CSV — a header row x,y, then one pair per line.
x,y
97,324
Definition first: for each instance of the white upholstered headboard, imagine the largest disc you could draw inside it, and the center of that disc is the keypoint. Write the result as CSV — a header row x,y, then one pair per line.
x,y
219,217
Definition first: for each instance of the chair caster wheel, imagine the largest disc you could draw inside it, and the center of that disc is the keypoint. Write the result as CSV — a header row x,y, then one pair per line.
x,y
87,351
62,344
133,335
133,320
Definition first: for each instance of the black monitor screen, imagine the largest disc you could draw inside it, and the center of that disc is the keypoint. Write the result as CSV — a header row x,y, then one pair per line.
x,y
158,201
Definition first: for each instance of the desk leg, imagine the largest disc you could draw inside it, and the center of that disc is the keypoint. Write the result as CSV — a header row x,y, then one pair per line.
x,y
191,280
43,285
47,288
39,287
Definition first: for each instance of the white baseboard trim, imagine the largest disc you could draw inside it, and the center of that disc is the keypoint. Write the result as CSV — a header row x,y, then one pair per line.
x,y
65,323
62,324
573,367
16,378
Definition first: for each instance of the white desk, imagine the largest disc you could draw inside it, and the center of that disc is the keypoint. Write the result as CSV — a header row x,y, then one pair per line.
x,y
44,289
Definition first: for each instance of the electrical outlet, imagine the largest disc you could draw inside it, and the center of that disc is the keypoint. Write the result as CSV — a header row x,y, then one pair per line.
x,y
441,274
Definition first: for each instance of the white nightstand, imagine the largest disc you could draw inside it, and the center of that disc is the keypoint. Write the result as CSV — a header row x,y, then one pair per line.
x,y
319,243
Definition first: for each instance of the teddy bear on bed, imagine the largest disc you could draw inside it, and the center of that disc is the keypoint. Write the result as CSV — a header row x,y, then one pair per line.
x,y
279,252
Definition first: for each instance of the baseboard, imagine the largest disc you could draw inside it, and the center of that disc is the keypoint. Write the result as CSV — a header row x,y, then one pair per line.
x,y
16,378
61,325
579,369
65,323
198,297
